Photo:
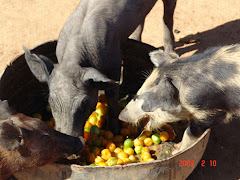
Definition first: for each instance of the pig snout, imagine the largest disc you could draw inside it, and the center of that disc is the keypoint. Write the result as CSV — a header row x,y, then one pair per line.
x,y
70,145
133,112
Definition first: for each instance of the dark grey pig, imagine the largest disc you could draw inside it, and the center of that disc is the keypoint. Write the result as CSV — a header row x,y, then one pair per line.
x,y
168,38
27,142
203,88
89,58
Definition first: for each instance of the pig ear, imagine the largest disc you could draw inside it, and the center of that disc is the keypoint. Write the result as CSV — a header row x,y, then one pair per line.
x,y
92,75
158,57
169,95
166,97
10,135
40,65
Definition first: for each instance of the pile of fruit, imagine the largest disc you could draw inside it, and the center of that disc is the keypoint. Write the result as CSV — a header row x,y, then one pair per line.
x,y
102,148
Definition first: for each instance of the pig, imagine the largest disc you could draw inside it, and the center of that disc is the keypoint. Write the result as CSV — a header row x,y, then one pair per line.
x,y
27,142
169,42
203,89
89,59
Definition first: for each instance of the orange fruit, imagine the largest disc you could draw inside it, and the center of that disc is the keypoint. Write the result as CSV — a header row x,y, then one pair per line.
x,y
145,156
148,141
120,162
108,135
111,146
164,136
145,149
118,139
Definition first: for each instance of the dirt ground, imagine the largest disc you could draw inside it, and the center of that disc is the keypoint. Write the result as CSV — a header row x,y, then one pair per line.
x,y
205,22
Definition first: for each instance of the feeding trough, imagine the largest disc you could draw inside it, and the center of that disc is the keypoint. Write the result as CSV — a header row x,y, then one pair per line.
x,y
27,95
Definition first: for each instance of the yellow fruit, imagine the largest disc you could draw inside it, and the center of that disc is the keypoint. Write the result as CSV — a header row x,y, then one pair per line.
x,y
125,132
112,161
133,159
88,125
108,135
101,110
137,142
102,164
93,120
164,136
98,159
122,155
145,149
148,141
118,150
128,150
111,146
126,160
106,154
150,159
120,162
145,156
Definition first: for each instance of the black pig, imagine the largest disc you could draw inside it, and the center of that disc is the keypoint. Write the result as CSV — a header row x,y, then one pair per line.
x,y
89,58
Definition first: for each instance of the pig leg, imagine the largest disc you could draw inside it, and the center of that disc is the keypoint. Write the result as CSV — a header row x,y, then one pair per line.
x,y
137,34
112,96
169,7
197,128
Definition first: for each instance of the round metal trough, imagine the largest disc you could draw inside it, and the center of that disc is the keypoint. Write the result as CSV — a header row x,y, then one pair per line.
x,y
28,95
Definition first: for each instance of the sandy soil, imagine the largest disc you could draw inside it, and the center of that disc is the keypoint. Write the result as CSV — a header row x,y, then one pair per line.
x,y
205,23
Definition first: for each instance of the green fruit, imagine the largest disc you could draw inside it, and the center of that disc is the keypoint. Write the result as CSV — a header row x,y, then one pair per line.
x,y
156,139
92,164
128,143
95,130
138,149
112,161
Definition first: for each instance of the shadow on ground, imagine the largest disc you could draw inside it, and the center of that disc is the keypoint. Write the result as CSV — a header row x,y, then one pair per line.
x,y
226,34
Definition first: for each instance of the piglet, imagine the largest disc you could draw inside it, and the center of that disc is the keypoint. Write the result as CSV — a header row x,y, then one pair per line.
x,y
27,142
